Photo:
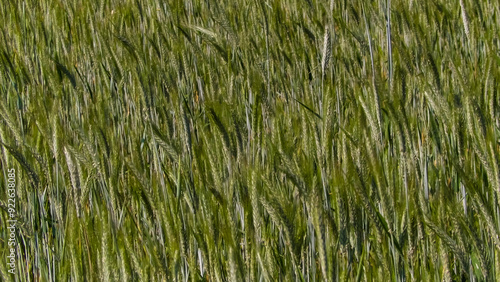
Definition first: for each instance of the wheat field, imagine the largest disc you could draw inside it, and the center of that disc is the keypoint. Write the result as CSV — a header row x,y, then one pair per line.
x,y
250,140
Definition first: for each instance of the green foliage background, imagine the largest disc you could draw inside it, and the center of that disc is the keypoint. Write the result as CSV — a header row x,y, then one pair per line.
x,y
251,140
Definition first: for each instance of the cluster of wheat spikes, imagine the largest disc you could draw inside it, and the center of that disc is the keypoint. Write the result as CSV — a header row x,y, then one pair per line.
x,y
251,140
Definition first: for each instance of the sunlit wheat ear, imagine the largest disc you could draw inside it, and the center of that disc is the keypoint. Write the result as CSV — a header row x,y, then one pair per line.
x,y
465,19
75,180
327,50
446,264
9,120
